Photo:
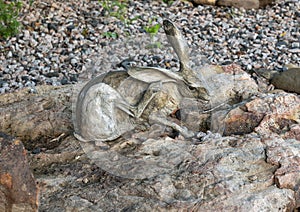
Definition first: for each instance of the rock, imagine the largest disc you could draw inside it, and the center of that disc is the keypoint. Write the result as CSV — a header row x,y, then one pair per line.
x,y
52,74
18,189
266,115
285,155
205,2
288,80
264,3
257,170
227,173
227,85
248,4
256,202
37,117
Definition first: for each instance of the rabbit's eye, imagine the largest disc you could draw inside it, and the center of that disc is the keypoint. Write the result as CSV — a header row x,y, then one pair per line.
x,y
192,88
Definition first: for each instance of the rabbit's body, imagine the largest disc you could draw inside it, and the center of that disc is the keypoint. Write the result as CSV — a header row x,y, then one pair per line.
x,y
152,94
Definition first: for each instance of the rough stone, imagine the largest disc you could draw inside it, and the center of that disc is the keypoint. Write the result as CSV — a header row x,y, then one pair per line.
x,y
256,171
227,173
208,2
285,154
228,85
247,4
288,80
36,116
268,114
18,189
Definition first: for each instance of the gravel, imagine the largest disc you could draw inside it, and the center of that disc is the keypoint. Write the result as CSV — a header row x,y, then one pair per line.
x,y
71,41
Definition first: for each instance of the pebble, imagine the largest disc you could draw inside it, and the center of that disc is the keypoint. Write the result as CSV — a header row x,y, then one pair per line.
x,y
295,45
59,40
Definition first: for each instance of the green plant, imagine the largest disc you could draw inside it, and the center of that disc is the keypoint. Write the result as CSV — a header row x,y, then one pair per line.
x,y
113,35
168,2
9,26
116,8
151,28
31,2
85,32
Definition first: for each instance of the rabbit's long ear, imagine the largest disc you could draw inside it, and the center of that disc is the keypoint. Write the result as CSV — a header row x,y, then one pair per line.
x,y
178,43
153,74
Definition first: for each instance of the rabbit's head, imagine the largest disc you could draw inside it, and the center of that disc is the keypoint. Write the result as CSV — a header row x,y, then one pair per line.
x,y
192,78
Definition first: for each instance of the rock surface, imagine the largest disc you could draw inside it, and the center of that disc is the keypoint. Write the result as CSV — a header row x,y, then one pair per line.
x,y
288,80
227,173
268,114
254,166
37,116
246,4
254,171
18,190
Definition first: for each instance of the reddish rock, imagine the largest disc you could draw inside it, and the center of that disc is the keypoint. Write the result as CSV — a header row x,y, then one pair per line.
x,y
240,122
18,190
268,114
282,115
286,155
294,132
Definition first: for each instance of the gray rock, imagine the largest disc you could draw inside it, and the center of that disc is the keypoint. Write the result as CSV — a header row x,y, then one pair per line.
x,y
288,80
74,61
295,45
217,173
210,35
255,171
9,54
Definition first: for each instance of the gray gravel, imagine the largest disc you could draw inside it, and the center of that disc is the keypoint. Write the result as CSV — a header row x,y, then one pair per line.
x,y
64,42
